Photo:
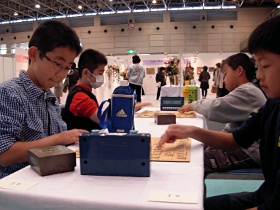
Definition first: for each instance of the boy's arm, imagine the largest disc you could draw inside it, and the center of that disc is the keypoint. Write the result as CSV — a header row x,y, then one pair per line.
x,y
18,152
94,117
234,107
220,140
83,106
139,106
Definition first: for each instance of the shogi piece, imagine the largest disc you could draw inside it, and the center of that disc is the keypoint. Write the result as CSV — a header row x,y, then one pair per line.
x,y
52,160
165,118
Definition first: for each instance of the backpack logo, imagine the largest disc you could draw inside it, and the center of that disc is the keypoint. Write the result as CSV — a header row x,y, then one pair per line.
x,y
121,113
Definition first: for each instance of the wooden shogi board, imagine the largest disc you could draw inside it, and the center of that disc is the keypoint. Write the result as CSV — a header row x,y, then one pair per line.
x,y
179,151
151,114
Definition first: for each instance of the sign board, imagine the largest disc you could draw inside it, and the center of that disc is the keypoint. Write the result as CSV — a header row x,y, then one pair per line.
x,y
130,51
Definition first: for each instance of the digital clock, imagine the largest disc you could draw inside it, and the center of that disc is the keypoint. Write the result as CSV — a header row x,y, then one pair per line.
x,y
171,103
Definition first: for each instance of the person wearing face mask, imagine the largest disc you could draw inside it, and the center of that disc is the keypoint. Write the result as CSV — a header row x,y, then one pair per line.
x,y
81,104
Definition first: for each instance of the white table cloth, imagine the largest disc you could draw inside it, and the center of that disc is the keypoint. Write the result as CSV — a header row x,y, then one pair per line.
x,y
74,191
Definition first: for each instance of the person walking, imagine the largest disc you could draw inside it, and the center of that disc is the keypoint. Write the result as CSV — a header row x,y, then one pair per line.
x,y
135,75
58,91
160,78
219,82
204,81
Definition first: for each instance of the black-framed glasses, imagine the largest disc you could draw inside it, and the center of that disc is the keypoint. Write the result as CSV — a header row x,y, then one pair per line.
x,y
56,66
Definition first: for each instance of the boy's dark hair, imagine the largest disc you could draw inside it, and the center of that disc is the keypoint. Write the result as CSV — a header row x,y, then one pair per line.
x,y
136,59
241,59
161,68
91,59
218,65
266,37
52,34
205,68
73,66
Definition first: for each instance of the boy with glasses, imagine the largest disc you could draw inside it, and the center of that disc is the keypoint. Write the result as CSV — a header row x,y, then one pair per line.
x,y
29,111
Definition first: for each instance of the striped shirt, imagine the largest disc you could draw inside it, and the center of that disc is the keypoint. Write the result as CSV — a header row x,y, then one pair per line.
x,y
27,113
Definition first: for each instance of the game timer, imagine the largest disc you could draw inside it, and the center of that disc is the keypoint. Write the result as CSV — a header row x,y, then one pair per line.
x,y
171,103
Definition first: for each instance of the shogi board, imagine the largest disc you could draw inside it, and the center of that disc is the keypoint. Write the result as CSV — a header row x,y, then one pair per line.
x,y
77,153
179,151
151,114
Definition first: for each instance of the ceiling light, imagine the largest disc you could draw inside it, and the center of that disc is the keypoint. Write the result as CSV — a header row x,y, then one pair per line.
x,y
15,14
37,6
80,7
154,1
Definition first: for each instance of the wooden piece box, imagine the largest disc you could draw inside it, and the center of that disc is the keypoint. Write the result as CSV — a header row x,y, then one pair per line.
x,y
165,118
52,160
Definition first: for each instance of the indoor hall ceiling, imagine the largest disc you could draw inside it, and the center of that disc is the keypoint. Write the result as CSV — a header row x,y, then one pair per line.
x,y
26,9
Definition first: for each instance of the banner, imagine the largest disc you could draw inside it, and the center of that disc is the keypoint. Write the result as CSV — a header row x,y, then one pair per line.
x,y
154,62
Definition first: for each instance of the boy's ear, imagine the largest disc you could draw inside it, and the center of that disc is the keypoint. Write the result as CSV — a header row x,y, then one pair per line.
x,y
240,70
32,51
85,71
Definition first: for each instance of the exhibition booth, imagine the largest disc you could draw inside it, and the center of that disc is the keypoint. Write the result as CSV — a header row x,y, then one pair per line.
x,y
117,65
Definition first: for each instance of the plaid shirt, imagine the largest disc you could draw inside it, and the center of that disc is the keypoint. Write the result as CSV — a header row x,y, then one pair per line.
x,y
27,113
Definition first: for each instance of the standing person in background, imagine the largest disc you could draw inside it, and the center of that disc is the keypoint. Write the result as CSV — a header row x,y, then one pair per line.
x,y
160,78
204,81
215,77
219,82
71,79
58,91
30,114
135,75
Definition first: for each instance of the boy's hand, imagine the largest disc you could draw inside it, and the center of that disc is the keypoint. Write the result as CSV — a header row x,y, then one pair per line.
x,y
71,136
185,108
172,133
139,106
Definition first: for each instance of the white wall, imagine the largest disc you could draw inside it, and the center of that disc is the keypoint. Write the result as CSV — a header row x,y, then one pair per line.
x,y
7,68
185,38
21,60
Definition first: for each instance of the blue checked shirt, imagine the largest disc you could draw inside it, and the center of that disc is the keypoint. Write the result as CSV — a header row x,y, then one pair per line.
x,y
27,113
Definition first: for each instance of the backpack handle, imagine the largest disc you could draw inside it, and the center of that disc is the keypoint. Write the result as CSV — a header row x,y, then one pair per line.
x,y
102,115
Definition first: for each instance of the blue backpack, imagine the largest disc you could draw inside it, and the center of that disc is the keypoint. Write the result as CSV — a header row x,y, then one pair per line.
x,y
118,116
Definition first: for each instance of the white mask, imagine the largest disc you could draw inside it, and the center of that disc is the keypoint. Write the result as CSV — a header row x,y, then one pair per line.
x,y
99,80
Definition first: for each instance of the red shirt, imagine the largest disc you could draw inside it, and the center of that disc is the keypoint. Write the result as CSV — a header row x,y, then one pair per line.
x,y
82,105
